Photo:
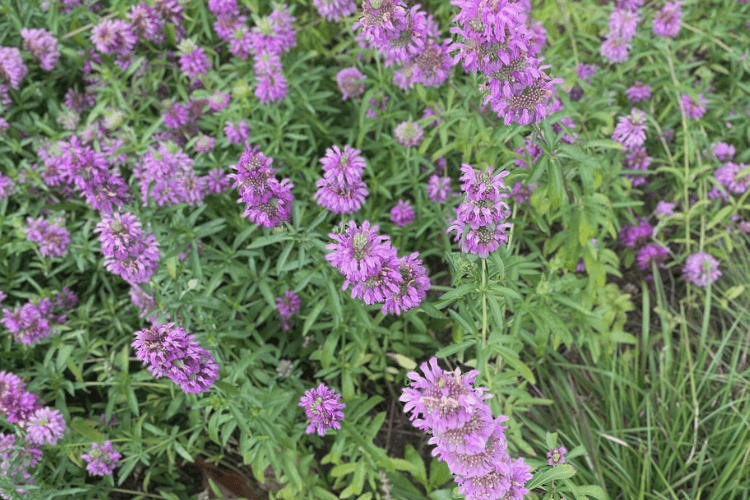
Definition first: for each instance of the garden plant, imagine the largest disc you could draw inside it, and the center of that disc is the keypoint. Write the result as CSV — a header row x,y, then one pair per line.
x,y
389,249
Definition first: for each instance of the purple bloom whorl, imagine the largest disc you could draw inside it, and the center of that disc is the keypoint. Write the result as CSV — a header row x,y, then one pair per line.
x,y
46,426
441,400
12,67
351,82
323,408
101,459
701,269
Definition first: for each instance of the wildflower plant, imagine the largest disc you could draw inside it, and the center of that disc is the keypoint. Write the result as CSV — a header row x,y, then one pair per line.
x,y
356,249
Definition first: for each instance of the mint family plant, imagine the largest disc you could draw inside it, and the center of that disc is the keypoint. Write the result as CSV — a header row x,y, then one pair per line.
x,y
233,229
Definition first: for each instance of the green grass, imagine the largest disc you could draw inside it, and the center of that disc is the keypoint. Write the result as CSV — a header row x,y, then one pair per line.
x,y
669,418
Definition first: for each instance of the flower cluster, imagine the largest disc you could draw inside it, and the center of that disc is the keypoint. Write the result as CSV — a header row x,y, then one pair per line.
x,y
168,350
479,226
498,42
637,92
630,130
16,403
341,190
88,170
409,133
439,189
701,269
351,82
371,266
323,409
269,201
51,235
694,107
101,459
407,37
466,436
193,59
129,252
288,306
16,460
733,178
623,22
333,10
166,175
668,20
402,214
43,45
12,70
32,321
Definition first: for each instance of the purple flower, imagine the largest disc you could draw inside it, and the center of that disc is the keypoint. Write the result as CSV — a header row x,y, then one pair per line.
x,y
637,92
323,408
101,459
168,350
43,45
167,177
668,19
114,36
144,303
128,251
723,151
623,22
52,236
651,253
412,288
17,404
146,23
16,459
46,426
274,33
288,306
271,81
439,189
664,209
632,236
441,400
701,269
694,108
521,192
269,201
193,59
344,197
12,68
204,143
333,10
409,133
66,299
556,456
402,214
351,82
79,101
218,101
433,64
479,225
631,130
360,252
6,186
734,177
615,49
237,133
637,160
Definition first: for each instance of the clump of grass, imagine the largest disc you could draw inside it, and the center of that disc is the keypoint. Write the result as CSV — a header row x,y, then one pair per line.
x,y
670,418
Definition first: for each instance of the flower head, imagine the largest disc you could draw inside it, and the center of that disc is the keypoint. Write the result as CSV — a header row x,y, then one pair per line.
x,y
409,133
631,130
323,408
402,214
556,456
43,45
351,82
101,459
701,269
288,306
651,253
46,426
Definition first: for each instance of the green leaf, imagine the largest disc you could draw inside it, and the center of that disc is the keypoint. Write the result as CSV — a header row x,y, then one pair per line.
x,y
556,473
